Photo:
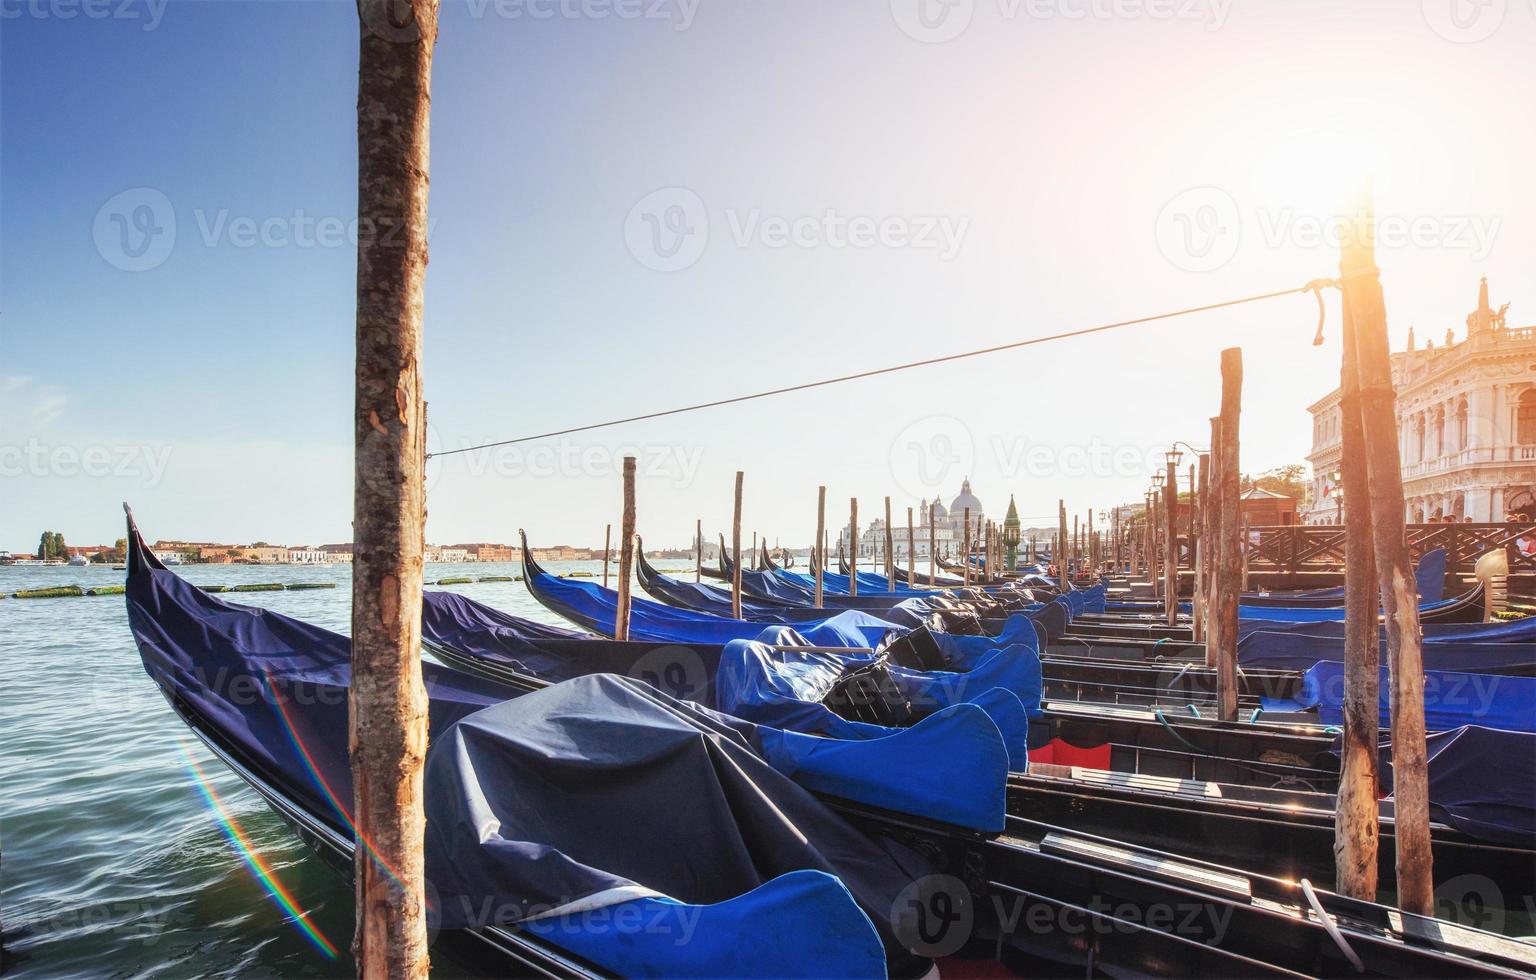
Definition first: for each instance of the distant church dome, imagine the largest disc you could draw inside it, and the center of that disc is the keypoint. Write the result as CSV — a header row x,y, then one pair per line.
x,y
965,499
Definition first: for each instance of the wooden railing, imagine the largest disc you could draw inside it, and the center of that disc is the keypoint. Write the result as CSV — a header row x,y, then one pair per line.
x,y
1320,547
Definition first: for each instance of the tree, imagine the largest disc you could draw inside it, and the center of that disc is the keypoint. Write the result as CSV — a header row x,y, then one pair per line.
x,y
51,546
1290,480
118,552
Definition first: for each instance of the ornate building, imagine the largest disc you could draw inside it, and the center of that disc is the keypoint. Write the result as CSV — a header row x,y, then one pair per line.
x,y
1466,416
948,527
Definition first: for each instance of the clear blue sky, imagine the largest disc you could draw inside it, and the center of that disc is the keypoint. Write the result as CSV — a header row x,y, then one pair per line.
x,y
1030,173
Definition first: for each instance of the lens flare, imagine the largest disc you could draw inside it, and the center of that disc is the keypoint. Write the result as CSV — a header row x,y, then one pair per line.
x,y
325,787
253,859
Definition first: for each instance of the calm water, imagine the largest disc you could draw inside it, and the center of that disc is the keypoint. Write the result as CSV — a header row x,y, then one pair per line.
x,y
113,862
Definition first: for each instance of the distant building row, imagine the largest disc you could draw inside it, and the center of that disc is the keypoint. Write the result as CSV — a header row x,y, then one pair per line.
x,y
210,553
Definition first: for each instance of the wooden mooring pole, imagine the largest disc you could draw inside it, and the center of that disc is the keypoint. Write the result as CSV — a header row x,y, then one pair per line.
x,y
1394,567
607,551
853,546
933,540
1215,534
1229,567
911,550
1171,545
387,703
965,545
1201,531
698,550
736,550
890,555
817,557
1060,554
1357,817
626,552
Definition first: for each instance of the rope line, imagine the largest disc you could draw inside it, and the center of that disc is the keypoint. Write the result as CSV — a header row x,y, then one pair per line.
x,y
1311,287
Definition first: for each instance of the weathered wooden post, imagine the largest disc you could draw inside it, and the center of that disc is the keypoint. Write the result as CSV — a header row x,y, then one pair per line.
x,y
698,550
1060,553
1171,546
387,703
1200,530
1148,560
626,552
853,546
1394,566
911,552
1229,570
965,553
607,551
1215,534
817,555
933,540
1357,818
1093,545
1114,537
890,555
736,551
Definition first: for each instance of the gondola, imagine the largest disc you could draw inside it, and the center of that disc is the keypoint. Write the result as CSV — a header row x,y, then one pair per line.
x,y
769,597
1285,830
1144,740
1009,883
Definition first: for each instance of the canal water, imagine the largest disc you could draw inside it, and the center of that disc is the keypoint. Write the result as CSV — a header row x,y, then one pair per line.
x,y
115,859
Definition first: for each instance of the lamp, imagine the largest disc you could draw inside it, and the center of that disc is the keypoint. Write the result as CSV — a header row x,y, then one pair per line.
x,y
1173,455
